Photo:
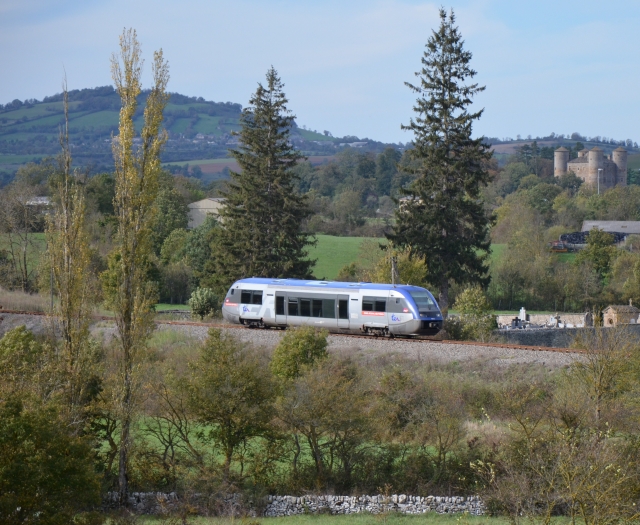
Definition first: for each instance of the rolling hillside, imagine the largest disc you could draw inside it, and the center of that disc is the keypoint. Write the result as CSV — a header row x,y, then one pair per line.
x,y
198,129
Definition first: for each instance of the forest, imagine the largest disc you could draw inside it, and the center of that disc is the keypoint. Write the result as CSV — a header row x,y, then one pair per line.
x,y
356,195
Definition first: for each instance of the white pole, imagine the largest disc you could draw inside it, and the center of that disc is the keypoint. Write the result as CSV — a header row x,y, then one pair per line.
x,y
599,170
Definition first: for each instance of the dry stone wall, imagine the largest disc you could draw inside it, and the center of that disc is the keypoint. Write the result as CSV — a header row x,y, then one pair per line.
x,y
157,503
291,505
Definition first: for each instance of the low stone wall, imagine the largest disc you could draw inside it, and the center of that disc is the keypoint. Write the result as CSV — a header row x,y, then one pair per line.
x,y
555,337
568,320
552,337
158,503
291,505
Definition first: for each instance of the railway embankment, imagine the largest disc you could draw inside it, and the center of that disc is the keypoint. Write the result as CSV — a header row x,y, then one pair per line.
x,y
362,347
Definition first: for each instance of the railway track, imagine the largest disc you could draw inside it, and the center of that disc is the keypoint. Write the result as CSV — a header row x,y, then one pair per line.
x,y
357,337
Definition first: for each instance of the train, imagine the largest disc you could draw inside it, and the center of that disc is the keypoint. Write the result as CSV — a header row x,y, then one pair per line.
x,y
339,307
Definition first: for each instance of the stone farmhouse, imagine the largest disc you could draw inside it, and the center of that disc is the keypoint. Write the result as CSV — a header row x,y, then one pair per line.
x,y
593,166
199,210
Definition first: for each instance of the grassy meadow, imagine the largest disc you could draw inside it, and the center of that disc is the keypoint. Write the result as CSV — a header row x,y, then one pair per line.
x,y
332,253
353,519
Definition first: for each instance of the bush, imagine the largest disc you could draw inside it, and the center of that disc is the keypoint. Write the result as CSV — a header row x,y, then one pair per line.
x,y
476,321
46,474
203,302
299,348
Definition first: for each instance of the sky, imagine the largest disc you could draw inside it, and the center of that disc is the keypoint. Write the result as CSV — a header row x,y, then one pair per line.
x,y
548,66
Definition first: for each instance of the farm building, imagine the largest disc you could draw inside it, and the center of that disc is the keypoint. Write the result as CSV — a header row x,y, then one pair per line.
x,y
615,315
199,210
624,227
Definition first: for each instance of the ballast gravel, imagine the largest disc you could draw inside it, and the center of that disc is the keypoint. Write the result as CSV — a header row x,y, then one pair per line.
x,y
363,348
417,350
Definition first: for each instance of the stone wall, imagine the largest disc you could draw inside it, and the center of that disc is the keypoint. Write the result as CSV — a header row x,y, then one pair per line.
x,y
157,503
291,505
554,337
575,320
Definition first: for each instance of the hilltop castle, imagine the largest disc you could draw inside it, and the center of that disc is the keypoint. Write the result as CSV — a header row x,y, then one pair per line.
x,y
612,168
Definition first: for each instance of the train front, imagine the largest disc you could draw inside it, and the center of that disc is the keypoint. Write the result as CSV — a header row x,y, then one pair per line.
x,y
427,318
230,306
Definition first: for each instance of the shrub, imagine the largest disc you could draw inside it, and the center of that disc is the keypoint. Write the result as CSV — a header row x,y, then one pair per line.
x,y
46,474
299,348
476,321
203,302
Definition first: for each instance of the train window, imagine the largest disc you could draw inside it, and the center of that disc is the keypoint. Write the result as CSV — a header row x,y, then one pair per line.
x,y
397,305
316,308
343,309
251,297
279,305
423,300
305,307
323,308
232,290
293,306
374,304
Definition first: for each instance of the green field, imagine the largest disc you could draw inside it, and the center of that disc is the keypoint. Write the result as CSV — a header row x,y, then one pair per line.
x,y
201,162
19,159
353,519
333,253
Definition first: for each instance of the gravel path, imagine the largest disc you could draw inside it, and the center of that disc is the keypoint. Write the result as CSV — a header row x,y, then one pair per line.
x,y
360,347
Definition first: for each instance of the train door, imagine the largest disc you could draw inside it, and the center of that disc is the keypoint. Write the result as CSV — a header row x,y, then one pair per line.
x,y
281,313
343,311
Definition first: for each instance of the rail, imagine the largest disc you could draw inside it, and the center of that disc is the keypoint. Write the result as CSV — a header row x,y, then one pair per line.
x,y
533,348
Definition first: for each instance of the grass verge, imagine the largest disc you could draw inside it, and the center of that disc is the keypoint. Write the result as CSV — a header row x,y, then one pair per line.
x,y
430,518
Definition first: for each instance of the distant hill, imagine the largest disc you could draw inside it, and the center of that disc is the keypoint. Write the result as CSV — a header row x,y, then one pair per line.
x,y
198,129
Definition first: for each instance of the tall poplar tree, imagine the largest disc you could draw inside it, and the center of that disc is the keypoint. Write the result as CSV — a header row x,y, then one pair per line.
x,y
127,288
69,257
441,216
261,222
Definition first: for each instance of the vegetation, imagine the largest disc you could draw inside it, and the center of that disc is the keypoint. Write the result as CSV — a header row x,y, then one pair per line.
x,y
261,232
225,416
203,302
128,290
441,217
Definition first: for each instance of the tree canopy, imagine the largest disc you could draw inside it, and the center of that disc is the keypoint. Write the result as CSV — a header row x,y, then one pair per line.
x,y
441,216
261,233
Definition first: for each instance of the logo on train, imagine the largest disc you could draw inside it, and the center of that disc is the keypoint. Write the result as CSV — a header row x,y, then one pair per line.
x,y
395,318
245,308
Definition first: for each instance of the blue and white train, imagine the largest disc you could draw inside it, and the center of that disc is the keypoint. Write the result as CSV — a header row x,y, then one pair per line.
x,y
357,308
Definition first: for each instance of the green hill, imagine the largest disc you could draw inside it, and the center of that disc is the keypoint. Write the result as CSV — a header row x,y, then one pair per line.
x,y
198,129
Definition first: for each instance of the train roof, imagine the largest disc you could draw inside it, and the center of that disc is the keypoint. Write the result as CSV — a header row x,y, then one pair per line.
x,y
310,283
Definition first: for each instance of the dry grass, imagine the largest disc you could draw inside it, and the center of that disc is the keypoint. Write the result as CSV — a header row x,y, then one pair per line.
x,y
23,302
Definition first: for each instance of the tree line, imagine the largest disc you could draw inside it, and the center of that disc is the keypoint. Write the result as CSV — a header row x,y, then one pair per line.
x,y
155,411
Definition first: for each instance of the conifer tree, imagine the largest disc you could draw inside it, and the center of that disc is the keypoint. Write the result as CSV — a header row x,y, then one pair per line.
x,y
261,232
442,217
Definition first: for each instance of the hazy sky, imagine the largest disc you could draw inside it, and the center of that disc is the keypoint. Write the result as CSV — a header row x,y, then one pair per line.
x,y
561,66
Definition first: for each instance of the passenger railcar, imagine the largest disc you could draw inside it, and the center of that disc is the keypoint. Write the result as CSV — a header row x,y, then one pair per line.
x,y
357,308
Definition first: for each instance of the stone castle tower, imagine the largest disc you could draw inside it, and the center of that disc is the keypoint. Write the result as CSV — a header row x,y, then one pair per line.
x,y
612,169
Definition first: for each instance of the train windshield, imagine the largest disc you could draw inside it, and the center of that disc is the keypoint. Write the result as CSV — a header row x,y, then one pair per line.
x,y
423,300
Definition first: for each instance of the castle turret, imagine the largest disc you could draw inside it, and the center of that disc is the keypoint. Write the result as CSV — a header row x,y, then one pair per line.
x,y
596,162
560,161
619,158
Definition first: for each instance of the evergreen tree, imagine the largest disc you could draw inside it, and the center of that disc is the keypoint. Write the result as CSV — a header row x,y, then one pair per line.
x,y
261,232
442,217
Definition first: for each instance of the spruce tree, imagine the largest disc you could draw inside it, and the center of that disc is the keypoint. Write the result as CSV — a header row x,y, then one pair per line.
x,y
261,222
441,216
